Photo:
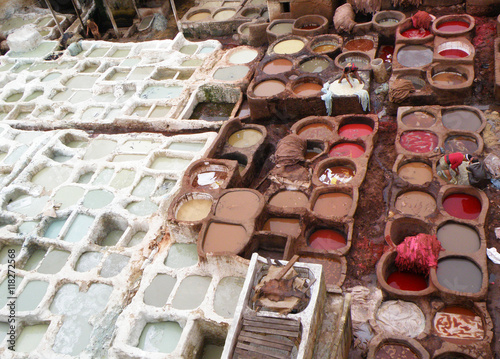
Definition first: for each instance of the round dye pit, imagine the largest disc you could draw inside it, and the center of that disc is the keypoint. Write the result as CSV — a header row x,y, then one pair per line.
x,y
291,46
335,204
418,119
355,130
315,131
277,66
455,237
312,152
458,324
417,81
386,52
285,226
224,14
200,16
416,203
453,26
224,237
194,209
359,45
245,138
324,48
419,141
238,205
417,173
351,150
459,274
243,56
462,205
453,53
282,28
314,65
415,55
269,88
209,179
464,144
416,33
307,89
407,281
461,120
337,175
393,351
448,78
327,239
289,199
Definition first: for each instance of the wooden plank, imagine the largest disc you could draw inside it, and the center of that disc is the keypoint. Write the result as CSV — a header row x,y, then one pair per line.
x,y
272,319
286,268
285,333
269,339
286,347
243,354
260,350
271,325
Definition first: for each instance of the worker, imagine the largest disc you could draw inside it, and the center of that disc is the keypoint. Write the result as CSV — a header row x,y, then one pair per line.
x,y
350,69
449,165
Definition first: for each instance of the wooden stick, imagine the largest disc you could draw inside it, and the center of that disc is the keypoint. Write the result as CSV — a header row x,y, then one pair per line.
x,y
174,10
286,268
136,10
54,16
112,18
78,14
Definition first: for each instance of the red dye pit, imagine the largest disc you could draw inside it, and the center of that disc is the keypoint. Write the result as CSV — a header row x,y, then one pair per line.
x,y
461,205
453,53
453,26
352,150
355,130
407,281
385,53
327,239
419,141
416,33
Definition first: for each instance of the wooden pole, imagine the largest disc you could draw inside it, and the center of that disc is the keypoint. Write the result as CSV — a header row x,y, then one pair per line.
x,y
112,18
78,14
174,10
54,16
136,10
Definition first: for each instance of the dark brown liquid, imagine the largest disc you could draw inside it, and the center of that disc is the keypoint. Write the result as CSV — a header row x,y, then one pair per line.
x,y
359,45
418,119
464,144
223,237
315,131
237,205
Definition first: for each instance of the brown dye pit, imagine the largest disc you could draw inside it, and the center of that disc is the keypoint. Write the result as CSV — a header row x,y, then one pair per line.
x,y
212,111
448,78
289,199
333,204
210,179
324,48
461,120
314,131
336,175
464,144
416,173
416,203
269,88
395,351
277,66
418,119
245,138
359,45
286,226
312,152
238,205
459,238
307,89
332,269
458,325
224,237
